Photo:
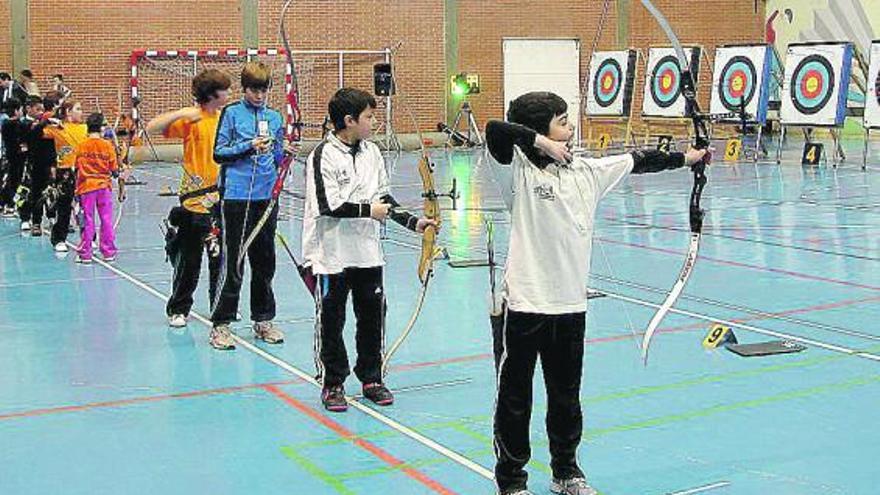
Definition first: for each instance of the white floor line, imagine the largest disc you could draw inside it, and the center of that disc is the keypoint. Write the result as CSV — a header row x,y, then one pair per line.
x,y
389,422
425,386
743,326
702,489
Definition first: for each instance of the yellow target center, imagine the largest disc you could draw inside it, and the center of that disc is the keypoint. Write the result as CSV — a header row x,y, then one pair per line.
x,y
666,81
607,82
737,84
812,84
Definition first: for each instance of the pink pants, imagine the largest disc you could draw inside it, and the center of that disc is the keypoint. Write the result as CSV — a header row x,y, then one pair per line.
x,y
102,200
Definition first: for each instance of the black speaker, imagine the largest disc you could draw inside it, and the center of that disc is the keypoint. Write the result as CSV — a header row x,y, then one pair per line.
x,y
383,83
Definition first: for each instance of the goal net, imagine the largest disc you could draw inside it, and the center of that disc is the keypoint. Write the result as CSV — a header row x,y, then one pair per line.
x,y
162,79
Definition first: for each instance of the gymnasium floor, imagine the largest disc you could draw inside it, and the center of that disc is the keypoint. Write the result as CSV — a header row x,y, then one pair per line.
x,y
98,395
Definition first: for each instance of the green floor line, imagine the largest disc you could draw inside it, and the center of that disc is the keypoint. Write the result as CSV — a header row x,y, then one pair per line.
x,y
701,413
315,471
626,394
662,420
366,473
703,380
439,425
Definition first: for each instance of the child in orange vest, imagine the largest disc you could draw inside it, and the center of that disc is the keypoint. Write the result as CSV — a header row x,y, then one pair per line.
x,y
96,166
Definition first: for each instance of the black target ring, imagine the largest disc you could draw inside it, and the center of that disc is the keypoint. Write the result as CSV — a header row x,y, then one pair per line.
x,y
607,82
813,70
666,81
737,84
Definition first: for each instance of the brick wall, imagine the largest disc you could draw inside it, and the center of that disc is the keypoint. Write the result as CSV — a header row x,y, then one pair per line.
x,y
370,24
693,21
90,40
5,37
696,23
480,42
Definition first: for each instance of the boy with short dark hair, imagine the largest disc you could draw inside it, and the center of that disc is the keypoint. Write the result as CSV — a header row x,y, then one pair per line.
x,y
347,198
59,86
249,148
13,135
42,158
33,113
26,81
553,199
197,127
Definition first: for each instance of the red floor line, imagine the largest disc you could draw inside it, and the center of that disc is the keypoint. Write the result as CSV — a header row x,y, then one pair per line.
x,y
343,432
139,400
769,315
745,265
410,366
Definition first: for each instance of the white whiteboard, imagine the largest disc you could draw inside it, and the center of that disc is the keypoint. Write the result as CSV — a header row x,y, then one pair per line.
x,y
535,64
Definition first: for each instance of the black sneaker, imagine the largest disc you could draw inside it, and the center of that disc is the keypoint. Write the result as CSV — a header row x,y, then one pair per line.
x,y
334,398
378,393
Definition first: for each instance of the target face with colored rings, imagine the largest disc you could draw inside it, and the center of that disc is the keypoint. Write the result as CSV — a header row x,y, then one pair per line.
x,y
736,87
877,87
666,82
607,82
812,84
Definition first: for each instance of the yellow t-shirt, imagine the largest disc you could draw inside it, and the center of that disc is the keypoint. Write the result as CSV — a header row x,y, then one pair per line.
x,y
200,169
67,138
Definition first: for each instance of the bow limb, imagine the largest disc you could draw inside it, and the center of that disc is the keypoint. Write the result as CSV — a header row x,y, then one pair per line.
x,y
701,141
292,132
431,211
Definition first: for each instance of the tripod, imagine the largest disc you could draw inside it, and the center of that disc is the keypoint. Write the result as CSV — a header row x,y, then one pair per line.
x,y
473,131
138,130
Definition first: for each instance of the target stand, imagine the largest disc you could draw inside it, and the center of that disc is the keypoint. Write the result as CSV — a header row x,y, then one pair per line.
x,y
814,94
663,104
607,98
871,118
654,126
741,91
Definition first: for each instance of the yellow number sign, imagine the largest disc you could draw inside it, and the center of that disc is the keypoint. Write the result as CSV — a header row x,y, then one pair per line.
x,y
732,150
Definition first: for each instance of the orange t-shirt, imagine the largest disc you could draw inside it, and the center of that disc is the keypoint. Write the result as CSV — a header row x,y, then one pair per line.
x,y
67,138
200,169
95,164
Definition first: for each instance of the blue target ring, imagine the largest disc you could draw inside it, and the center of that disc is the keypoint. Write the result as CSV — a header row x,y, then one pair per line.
x,y
607,82
666,82
812,84
737,83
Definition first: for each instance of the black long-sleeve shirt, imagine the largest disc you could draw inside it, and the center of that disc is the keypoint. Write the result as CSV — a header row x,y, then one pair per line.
x,y
502,136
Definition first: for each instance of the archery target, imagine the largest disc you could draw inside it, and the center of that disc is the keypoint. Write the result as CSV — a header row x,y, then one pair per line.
x,y
663,82
872,100
610,83
817,77
741,77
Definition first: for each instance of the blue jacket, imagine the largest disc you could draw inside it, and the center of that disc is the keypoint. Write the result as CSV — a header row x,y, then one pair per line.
x,y
247,175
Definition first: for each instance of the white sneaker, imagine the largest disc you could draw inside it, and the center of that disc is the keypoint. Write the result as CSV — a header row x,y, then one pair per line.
x,y
61,247
8,212
25,226
571,486
177,321
83,261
